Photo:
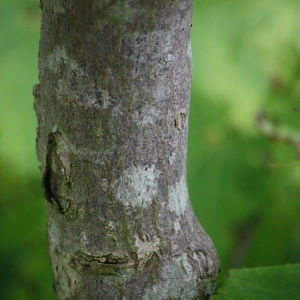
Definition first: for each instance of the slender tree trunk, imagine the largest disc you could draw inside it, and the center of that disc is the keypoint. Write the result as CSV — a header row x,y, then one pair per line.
x,y
112,107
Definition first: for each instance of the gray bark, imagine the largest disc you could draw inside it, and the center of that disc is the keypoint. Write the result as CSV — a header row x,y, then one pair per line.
x,y
112,107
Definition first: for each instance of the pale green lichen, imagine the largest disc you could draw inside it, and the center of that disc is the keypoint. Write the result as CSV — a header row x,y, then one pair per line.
x,y
137,186
178,196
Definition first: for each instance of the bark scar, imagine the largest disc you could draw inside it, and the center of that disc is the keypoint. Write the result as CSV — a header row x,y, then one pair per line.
x,y
55,180
46,178
107,264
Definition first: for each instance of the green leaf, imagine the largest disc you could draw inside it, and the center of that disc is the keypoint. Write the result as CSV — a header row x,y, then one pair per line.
x,y
277,282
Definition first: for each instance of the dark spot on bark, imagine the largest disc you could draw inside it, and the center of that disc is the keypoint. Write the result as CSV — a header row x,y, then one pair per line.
x,y
55,180
175,123
36,90
179,122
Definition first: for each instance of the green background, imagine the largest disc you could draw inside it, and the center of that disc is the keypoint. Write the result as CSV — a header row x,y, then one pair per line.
x,y
244,188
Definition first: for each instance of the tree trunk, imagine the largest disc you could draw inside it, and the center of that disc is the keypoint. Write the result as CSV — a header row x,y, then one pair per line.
x,y
112,107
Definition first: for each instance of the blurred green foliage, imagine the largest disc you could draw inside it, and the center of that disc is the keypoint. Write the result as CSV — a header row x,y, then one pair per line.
x,y
246,58
276,283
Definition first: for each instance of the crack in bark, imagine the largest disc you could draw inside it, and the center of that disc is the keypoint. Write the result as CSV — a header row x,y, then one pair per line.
x,y
107,264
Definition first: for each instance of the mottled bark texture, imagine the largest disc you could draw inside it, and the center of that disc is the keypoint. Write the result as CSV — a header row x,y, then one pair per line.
x,y
112,107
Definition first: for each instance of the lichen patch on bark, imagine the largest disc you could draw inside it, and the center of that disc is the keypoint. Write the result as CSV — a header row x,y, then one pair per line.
x,y
178,197
138,186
